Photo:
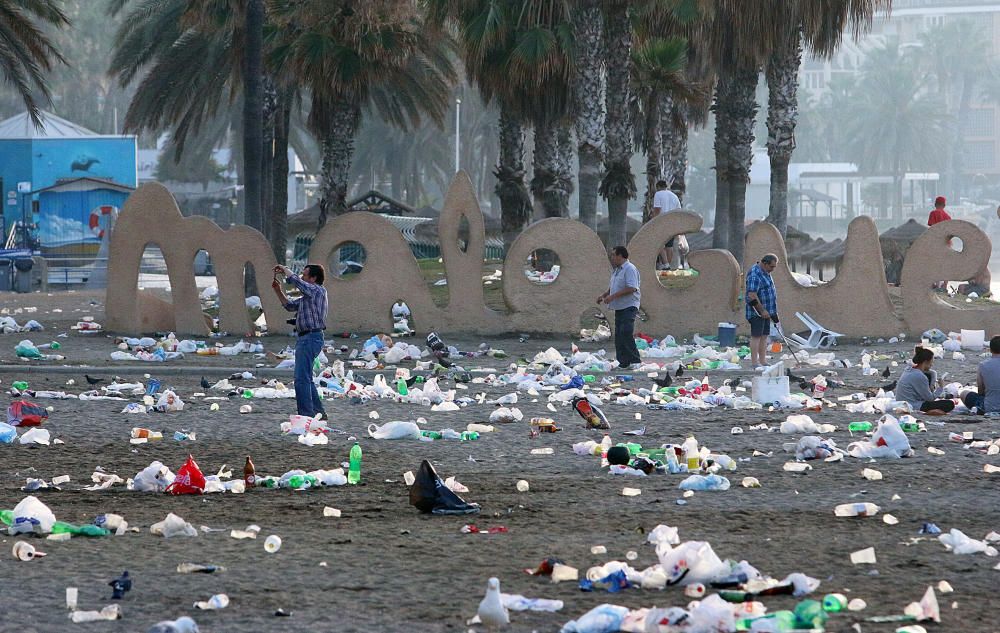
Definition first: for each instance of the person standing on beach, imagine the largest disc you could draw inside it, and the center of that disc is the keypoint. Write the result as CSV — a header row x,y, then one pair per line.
x,y
623,297
665,201
761,307
310,320
938,214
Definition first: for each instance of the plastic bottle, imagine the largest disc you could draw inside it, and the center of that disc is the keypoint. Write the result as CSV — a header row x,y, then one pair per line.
x,y
139,432
469,435
7,433
248,393
207,351
401,387
434,435
810,614
834,602
605,444
589,378
859,427
480,428
194,568
20,385
856,510
692,456
249,473
910,427
354,469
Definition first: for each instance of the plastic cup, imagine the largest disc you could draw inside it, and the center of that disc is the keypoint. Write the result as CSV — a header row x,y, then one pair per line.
x,y
25,551
522,486
272,544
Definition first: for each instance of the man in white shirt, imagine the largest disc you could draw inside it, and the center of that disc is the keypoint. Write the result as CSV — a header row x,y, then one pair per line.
x,y
624,297
665,201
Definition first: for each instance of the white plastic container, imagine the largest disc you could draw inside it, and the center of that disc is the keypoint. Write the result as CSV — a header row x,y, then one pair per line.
x,y
768,390
973,339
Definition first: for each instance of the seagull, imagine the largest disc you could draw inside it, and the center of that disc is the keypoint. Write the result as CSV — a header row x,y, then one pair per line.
x,y
680,371
666,381
491,612
886,373
92,381
204,383
180,625
120,586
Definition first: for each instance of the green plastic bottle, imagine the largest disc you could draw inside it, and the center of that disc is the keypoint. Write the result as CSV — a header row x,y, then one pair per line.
x,y
247,393
354,468
809,614
469,435
589,378
20,385
910,427
7,516
60,527
859,427
296,481
834,602
401,387
633,448
434,435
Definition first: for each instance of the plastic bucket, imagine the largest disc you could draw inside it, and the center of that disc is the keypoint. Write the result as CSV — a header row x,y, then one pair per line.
x,y
727,335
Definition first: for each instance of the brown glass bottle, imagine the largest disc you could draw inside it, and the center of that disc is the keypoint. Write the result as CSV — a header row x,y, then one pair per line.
x,y
249,474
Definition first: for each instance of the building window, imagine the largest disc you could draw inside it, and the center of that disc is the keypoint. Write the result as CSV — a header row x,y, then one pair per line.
x,y
980,122
979,155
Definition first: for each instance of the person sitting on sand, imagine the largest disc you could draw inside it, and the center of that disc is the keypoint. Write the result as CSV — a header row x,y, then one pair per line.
x,y
980,284
986,398
914,386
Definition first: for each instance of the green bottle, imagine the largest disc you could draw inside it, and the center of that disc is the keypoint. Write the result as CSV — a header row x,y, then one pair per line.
x,y
469,435
247,393
589,378
61,527
354,468
834,602
859,427
401,387
434,435
910,427
20,385
7,516
810,614
296,481
420,380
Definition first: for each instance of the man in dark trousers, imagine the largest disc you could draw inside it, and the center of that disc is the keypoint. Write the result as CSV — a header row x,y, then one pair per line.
x,y
623,297
310,321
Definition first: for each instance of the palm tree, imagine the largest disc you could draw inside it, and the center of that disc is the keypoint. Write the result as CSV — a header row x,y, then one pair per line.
x,y
588,103
820,25
618,185
897,125
353,57
27,52
186,59
253,112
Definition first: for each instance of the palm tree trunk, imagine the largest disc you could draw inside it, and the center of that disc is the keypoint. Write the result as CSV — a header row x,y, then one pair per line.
x,y
720,232
782,112
253,112
654,149
279,193
735,97
956,166
552,182
267,181
674,141
515,203
618,186
338,151
588,88
564,165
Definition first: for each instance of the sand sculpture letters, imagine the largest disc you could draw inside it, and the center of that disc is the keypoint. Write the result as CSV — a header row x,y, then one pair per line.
x,y
856,303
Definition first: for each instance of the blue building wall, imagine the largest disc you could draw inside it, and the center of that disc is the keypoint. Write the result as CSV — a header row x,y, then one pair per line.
x,y
43,162
64,217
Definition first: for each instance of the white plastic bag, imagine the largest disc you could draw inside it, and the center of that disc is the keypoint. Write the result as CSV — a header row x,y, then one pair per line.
x,y
503,415
35,435
696,558
31,515
395,430
153,478
889,440
173,525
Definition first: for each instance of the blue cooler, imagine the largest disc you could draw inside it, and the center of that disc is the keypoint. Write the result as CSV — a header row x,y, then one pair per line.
x,y
727,335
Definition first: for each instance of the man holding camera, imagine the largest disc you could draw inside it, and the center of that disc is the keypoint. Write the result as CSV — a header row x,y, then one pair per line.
x,y
762,307
310,321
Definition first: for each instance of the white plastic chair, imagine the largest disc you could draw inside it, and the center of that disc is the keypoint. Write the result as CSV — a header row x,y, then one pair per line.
x,y
819,337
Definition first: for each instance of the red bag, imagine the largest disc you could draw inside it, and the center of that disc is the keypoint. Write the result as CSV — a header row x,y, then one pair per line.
x,y
24,413
189,480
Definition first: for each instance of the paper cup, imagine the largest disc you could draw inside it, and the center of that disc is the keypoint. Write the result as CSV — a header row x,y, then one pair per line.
x,y
272,544
25,551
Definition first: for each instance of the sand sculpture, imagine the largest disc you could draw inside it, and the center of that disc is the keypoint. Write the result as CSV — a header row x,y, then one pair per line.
x,y
856,303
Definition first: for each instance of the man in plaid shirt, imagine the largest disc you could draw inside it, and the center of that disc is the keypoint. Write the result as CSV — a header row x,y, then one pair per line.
x,y
310,321
761,306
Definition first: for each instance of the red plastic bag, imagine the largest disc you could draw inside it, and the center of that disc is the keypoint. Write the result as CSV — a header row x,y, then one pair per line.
x,y
24,413
189,480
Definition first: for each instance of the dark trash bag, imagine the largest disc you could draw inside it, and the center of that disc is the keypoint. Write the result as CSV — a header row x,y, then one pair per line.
x,y
429,494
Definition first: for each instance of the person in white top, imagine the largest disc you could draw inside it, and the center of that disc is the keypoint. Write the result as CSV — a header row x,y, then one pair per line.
x,y
665,201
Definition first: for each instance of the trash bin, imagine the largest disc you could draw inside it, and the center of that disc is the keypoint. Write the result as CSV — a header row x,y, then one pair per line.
x,y
5,275
22,274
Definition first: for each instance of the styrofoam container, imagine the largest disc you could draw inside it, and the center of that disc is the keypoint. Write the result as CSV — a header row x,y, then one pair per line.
x,y
973,339
767,390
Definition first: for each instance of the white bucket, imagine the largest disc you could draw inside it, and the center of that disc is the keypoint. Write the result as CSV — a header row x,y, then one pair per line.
x,y
973,339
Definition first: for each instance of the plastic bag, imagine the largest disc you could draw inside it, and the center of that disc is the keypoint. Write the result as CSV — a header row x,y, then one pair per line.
x,y
691,562
35,436
813,447
31,515
889,440
24,413
173,525
189,479
604,618
503,415
153,478
395,430
959,543
430,495
169,401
